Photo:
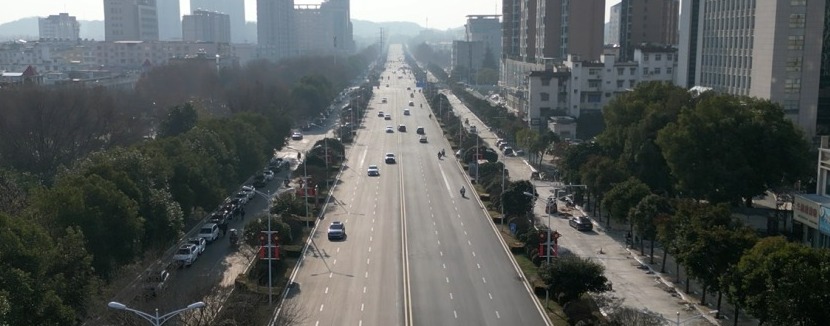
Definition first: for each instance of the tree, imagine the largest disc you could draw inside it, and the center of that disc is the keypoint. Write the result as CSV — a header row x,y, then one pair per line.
x,y
713,150
568,277
623,197
599,174
646,216
780,282
575,157
516,202
628,316
179,120
487,76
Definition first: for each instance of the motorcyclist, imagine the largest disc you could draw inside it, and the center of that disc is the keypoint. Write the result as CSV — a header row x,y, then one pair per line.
x,y
463,191
439,155
443,153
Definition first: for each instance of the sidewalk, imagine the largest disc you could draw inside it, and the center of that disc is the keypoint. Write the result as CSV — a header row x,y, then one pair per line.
x,y
647,287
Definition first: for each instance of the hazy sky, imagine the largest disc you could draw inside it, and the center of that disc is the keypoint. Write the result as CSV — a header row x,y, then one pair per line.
x,y
440,14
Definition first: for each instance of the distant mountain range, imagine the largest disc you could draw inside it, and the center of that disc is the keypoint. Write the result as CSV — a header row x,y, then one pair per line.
x,y
364,31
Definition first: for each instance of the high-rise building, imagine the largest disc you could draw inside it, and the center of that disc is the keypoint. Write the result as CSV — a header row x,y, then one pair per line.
x,y
765,49
275,29
59,27
612,35
130,20
569,27
511,13
170,20
235,9
206,26
485,29
647,22
323,29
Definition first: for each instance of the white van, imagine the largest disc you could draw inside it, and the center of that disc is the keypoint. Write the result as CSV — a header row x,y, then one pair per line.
x,y
209,231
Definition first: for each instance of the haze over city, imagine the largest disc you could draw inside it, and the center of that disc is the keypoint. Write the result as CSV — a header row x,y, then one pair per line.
x,y
429,13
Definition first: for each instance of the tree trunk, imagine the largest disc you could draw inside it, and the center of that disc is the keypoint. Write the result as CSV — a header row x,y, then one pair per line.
x,y
720,296
652,251
737,311
665,255
703,297
748,202
642,246
687,282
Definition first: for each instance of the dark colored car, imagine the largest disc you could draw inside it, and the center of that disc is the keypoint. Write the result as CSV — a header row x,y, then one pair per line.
x,y
581,223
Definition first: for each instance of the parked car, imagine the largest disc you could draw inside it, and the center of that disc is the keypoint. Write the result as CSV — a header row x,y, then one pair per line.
x,y
242,197
155,282
259,181
200,244
473,129
297,135
581,223
337,231
250,191
508,151
209,231
186,255
268,174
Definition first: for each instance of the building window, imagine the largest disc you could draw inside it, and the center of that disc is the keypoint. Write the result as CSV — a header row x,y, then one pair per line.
x,y
668,56
620,83
795,42
633,70
607,94
656,71
798,2
593,83
658,57
631,83
797,21
794,64
545,82
792,85
593,71
544,97
668,71
645,56
620,71
645,71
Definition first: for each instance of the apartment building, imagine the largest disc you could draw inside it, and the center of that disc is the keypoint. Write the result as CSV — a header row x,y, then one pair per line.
x,y
275,29
235,9
540,33
576,86
646,22
170,20
59,27
765,49
206,26
612,32
130,20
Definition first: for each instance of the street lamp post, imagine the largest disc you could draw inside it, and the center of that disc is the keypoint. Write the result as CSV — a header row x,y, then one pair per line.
x,y
305,188
502,193
270,250
155,320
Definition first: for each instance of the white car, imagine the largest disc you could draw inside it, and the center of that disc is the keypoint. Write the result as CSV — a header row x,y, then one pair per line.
x,y
250,190
186,255
373,171
268,174
209,231
200,244
297,136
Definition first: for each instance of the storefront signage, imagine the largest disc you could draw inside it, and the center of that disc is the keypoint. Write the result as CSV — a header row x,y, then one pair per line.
x,y
824,220
806,211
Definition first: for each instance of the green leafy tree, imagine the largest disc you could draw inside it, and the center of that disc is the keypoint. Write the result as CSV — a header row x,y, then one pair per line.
x,y
730,148
647,215
575,157
107,217
599,174
783,283
568,277
623,197
632,121
179,120
517,204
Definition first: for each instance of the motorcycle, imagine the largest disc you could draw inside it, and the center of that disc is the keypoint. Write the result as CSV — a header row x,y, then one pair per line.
x,y
463,193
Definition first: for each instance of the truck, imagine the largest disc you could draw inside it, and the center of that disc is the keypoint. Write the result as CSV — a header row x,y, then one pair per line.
x,y
186,255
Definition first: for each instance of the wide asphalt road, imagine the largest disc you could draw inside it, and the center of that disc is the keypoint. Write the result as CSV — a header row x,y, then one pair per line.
x,y
416,252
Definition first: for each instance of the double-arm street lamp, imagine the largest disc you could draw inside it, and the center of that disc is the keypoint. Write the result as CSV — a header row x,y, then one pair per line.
x,y
156,320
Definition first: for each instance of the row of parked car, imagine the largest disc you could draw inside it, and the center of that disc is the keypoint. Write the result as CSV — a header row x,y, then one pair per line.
x,y
508,150
217,224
